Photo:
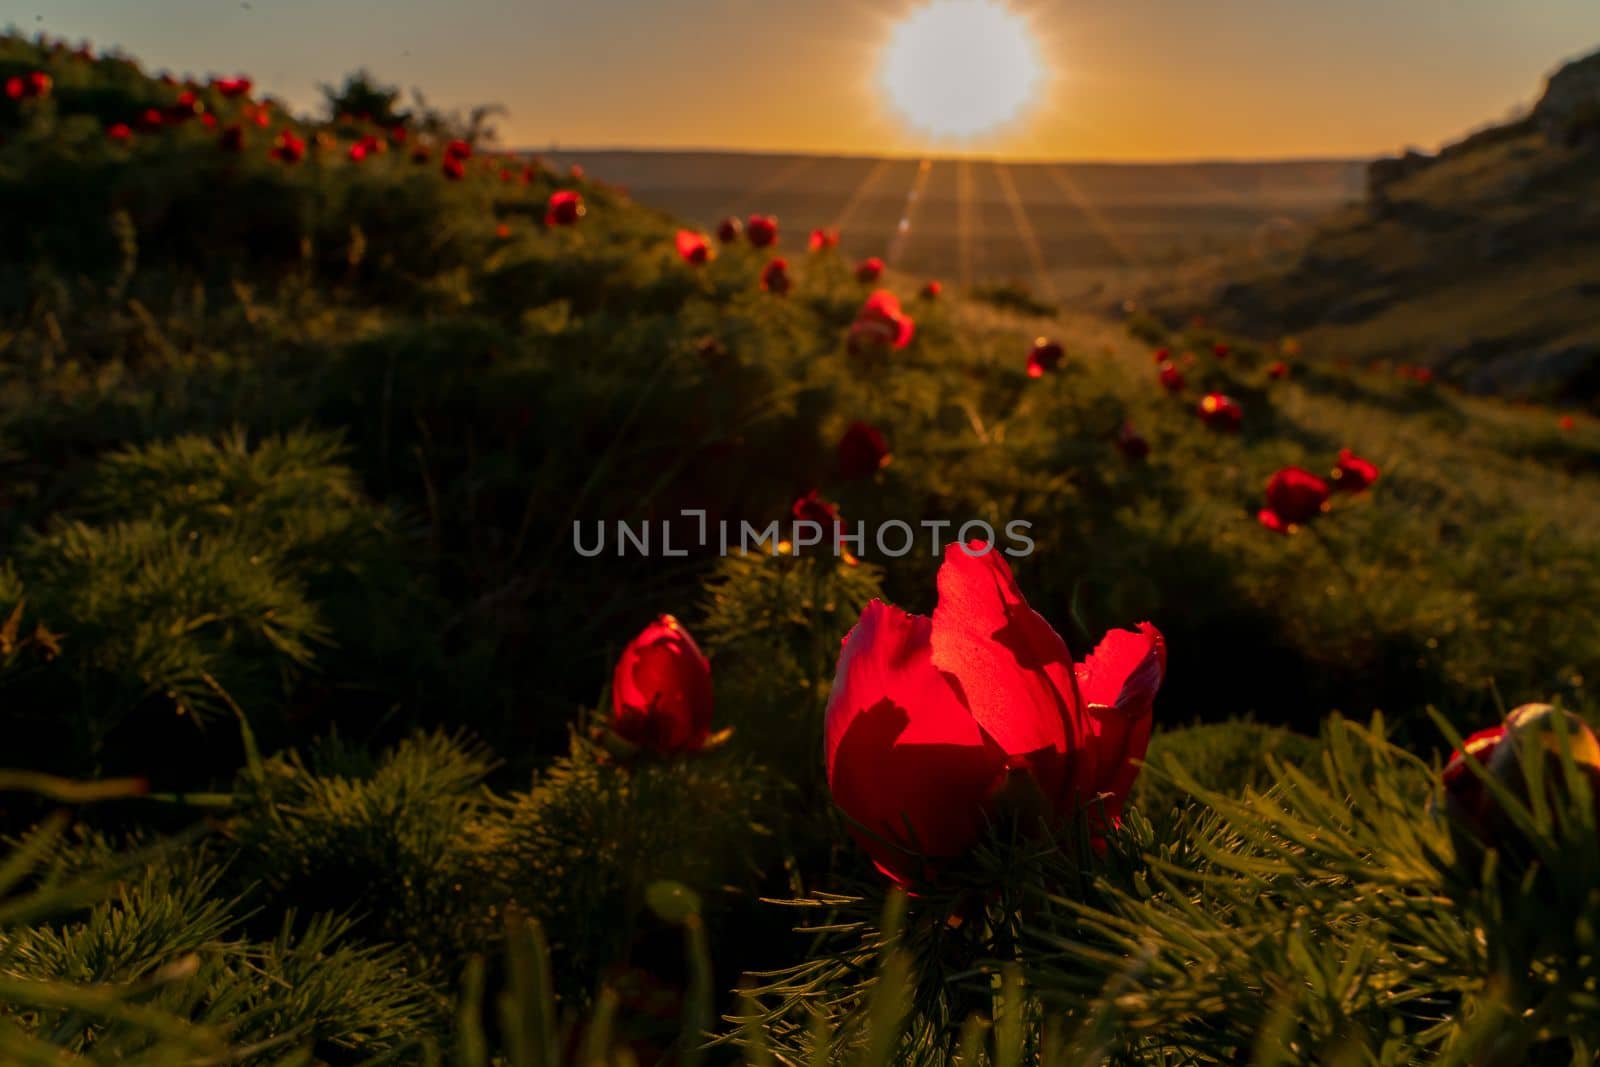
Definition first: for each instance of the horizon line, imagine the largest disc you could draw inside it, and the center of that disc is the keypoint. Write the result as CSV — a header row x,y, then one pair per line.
x,y
913,157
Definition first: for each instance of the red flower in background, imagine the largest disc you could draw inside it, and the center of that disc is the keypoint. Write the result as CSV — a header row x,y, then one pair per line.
x,y
233,87
813,508
1278,370
729,230
15,87
1220,350
151,119
775,277
869,270
576,171
881,325
458,149
1044,357
231,139
453,168
1133,445
1163,355
289,148
1352,474
930,718
932,290
823,240
694,248
1294,498
762,230
1468,799
1171,378
1221,412
358,152
421,154
565,208
398,135
208,120
661,690
863,452
1567,422
503,231
119,131
35,85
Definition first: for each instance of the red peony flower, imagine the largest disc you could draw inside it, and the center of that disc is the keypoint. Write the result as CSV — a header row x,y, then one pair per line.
x,y
823,240
119,132
576,171
729,229
813,508
762,230
16,88
1171,378
1163,355
932,290
208,120
151,119
661,690
36,85
233,87
231,139
930,718
358,152
863,452
289,148
881,325
453,168
1133,445
694,248
503,231
1044,357
1295,497
775,277
1352,473
458,149
1221,412
398,135
1567,422
1278,370
1220,350
565,209
1468,799
869,270
1270,519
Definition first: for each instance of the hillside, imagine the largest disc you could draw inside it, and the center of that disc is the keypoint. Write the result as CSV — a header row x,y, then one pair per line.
x,y
326,741
1479,263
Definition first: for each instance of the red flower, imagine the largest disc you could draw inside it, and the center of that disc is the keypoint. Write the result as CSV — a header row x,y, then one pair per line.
x,y
823,240
358,152
762,230
1269,518
932,290
233,87
881,325
1468,799
1221,412
1567,422
1133,445
869,270
502,231
1352,473
151,119
1171,378
1163,355
694,248
421,154
35,86
232,139
458,149
661,690
729,229
1220,350
775,277
208,120
16,88
862,452
576,171
813,508
1278,370
289,148
565,209
1295,497
453,168
1044,357
119,131
398,135
930,718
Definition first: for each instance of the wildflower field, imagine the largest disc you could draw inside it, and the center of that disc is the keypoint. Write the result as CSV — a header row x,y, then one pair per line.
x,y
330,737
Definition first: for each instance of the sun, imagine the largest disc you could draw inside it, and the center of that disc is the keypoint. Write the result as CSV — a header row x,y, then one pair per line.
x,y
960,68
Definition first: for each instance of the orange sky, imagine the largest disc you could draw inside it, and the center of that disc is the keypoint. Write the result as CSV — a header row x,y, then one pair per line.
x,y
1132,79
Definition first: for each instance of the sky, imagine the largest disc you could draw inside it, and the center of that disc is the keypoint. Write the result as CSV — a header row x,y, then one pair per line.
x,y
1127,79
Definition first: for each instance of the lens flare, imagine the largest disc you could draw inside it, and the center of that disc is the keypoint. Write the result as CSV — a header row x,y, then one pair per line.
x,y
959,68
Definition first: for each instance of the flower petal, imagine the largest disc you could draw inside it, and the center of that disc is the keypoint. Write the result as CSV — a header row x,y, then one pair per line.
x,y
1118,683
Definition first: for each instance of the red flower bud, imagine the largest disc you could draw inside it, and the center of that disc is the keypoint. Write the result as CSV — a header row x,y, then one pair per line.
x,y
932,290
1171,378
775,277
1221,412
862,452
1352,474
565,208
1044,357
729,229
762,230
1294,498
661,690
823,240
869,270
694,248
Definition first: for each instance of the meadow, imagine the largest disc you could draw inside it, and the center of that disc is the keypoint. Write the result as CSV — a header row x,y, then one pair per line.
x,y
325,744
